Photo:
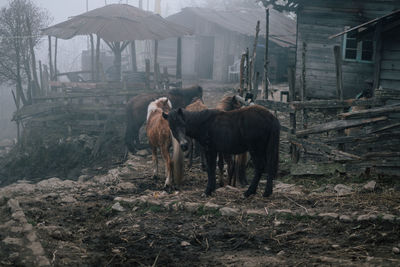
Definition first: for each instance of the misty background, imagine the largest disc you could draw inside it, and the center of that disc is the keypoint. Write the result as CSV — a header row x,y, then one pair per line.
x,y
70,51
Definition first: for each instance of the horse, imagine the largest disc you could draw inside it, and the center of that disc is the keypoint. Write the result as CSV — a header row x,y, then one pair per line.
x,y
237,167
136,109
196,105
159,136
253,129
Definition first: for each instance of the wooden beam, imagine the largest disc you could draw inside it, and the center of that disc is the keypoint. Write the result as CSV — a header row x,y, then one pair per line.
x,y
97,74
179,59
371,112
155,64
339,74
274,105
50,60
266,59
337,125
377,55
92,57
335,104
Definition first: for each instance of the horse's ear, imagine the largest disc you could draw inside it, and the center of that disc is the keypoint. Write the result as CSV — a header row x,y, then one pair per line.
x,y
165,115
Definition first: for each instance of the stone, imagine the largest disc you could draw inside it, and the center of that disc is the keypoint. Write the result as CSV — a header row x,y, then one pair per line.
x,y
284,211
117,206
226,211
185,244
13,241
345,218
142,153
13,204
127,186
210,205
68,199
32,237
395,250
288,189
36,248
192,206
83,178
255,212
366,217
388,217
370,186
281,253
342,189
331,215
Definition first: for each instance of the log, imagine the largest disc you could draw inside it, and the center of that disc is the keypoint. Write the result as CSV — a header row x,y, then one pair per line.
x,y
335,104
274,105
365,138
266,59
337,125
371,112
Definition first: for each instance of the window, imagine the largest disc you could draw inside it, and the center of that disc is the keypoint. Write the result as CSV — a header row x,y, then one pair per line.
x,y
355,50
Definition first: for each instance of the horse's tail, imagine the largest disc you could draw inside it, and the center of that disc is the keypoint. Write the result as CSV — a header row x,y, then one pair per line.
x,y
130,130
240,164
177,162
273,149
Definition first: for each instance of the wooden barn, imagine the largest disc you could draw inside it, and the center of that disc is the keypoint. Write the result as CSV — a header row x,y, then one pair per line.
x,y
220,37
363,63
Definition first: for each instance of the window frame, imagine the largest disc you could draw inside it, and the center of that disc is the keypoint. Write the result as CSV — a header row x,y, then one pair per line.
x,y
359,50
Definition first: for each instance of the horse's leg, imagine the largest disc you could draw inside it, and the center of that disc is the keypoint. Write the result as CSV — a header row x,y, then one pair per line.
x,y
211,156
221,168
167,161
241,168
230,167
202,157
259,161
155,161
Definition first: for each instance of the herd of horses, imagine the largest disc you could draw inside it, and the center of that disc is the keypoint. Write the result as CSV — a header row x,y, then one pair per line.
x,y
179,118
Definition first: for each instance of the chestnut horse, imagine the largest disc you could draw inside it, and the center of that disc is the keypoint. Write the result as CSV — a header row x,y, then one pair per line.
x,y
237,167
196,105
253,129
137,107
159,136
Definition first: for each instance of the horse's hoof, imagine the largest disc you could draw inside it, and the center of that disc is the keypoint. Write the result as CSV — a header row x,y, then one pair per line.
x,y
267,194
247,194
206,194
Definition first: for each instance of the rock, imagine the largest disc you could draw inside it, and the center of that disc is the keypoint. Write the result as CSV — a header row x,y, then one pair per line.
x,y
335,246
13,204
117,206
32,237
395,250
226,211
13,241
388,217
68,199
342,189
255,212
281,253
127,186
83,178
192,206
142,153
288,189
36,248
284,211
331,215
366,217
370,186
277,223
210,205
345,218
185,244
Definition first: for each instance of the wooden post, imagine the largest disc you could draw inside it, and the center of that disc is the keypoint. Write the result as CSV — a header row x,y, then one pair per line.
x,y
247,69
255,89
98,41
133,56
291,80
155,63
41,78
377,55
147,62
92,57
304,84
339,83
253,61
179,60
266,62
241,75
55,59
338,68
50,60
165,78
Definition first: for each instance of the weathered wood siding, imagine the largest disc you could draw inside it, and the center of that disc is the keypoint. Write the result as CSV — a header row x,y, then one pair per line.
x,y
318,20
390,64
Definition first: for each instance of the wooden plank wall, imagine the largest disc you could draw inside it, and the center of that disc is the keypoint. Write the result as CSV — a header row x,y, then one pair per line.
x,y
390,64
316,22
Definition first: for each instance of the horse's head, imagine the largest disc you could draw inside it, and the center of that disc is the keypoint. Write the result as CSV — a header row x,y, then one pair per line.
x,y
177,124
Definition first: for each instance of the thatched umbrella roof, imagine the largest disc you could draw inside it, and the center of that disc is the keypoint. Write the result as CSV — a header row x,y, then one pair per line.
x,y
116,23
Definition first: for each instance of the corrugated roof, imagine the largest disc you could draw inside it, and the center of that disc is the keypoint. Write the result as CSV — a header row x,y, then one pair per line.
x,y
118,22
282,30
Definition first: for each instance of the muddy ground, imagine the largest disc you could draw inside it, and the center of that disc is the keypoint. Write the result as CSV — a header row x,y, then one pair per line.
x,y
121,216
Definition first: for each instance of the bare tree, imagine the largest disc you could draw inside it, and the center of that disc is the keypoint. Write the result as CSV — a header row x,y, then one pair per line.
x,y
20,25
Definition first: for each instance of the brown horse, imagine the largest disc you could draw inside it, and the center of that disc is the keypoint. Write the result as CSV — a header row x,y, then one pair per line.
x,y
196,105
137,108
159,136
237,167
252,129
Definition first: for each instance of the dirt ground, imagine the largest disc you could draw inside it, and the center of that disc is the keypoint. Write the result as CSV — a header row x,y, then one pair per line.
x,y
121,216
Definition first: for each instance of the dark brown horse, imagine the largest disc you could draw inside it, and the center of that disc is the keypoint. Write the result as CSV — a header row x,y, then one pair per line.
x,y
136,110
196,105
235,166
252,129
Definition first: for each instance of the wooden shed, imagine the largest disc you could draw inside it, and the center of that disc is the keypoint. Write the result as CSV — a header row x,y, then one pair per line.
x,y
315,60
220,37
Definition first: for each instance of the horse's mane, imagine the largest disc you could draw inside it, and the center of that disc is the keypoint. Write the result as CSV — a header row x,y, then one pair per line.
x,y
226,103
153,106
202,115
